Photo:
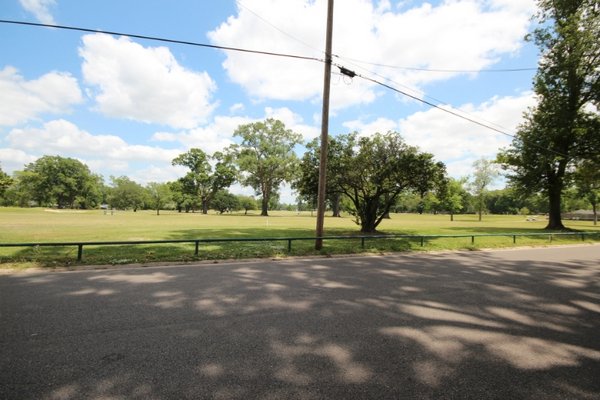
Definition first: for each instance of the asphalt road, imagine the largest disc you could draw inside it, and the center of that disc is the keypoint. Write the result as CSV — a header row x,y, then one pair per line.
x,y
516,324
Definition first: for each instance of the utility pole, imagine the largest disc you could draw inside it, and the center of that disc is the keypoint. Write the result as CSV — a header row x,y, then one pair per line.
x,y
324,130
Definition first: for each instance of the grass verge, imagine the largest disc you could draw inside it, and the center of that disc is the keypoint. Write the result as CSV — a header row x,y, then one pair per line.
x,y
42,226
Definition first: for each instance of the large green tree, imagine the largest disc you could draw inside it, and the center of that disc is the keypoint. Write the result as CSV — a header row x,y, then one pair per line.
x,y
266,157
373,171
562,128
207,174
65,182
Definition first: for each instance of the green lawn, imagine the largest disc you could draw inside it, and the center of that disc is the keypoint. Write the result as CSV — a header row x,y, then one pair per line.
x,y
40,225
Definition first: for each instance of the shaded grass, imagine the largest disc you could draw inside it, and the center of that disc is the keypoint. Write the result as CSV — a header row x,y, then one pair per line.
x,y
39,225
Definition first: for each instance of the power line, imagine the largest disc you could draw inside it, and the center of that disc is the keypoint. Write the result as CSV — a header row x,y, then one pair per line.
x,y
344,71
347,72
160,39
266,21
465,71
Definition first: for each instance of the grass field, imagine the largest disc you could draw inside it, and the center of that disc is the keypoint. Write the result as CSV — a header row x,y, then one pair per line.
x,y
21,225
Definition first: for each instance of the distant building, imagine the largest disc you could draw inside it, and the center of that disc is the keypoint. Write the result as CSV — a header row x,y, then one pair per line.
x,y
583,215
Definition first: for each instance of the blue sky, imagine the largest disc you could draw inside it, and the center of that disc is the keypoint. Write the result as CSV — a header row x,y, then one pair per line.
x,y
129,106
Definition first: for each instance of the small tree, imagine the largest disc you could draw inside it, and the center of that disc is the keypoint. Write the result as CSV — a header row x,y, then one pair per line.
x,y
224,201
247,203
453,197
159,194
484,175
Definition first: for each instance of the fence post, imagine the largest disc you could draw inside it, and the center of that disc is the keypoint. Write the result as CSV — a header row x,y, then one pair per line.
x,y
583,237
289,245
514,239
197,242
473,239
362,242
422,241
79,251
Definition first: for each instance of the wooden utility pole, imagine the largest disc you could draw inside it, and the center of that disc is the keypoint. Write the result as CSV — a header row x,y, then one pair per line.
x,y
324,130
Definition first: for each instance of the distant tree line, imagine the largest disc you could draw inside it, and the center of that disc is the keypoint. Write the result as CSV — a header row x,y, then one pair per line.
x,y
368,178
552,165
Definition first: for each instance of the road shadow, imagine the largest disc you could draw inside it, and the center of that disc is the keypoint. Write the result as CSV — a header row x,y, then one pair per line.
x,y
473,325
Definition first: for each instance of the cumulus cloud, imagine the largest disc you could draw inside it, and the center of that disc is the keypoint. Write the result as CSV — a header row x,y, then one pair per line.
x,y
145,84
459,142
40,9
455,141
293,121
23,100
451,35
12,159
106,152
219,133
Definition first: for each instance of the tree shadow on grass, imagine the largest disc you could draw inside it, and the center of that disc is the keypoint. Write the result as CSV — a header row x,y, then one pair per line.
x,y
469,325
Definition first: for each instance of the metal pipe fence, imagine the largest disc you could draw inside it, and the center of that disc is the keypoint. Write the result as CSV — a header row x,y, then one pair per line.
x,y
363,238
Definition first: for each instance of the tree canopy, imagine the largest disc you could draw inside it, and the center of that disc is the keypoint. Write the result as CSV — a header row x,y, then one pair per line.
x,y
373,171
60,181
204,180
266,157
562,129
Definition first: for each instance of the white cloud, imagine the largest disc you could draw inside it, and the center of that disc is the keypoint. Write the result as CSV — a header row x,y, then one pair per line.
x,y
40,9
23,100
105,152
219,133
459,142
14,159
455,141
237,107
457,34
210,138
145,84
293,121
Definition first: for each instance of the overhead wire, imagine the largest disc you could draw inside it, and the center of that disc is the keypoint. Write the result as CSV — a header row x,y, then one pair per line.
x,y
266,21
160,39
441,70
344,71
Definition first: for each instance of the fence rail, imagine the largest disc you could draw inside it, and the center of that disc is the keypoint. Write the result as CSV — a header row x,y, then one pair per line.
x,y
363,238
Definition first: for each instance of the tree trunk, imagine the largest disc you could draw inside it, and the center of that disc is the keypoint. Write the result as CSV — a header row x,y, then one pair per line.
x,y
368,219
335,205
451,216
265,206
595,214
204,206
554,214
